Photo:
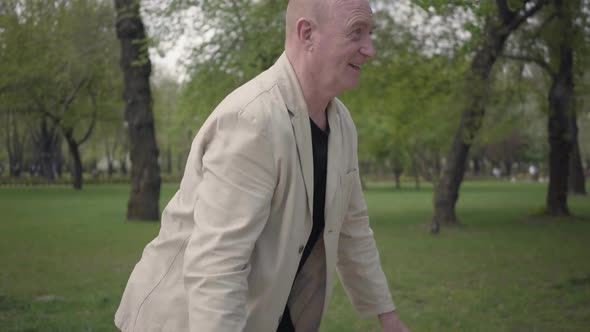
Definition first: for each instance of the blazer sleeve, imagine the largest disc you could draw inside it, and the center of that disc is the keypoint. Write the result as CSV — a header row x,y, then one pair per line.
x,y
358,265
230,212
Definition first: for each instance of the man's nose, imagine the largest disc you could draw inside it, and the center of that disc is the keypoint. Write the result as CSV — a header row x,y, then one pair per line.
x,y
368,49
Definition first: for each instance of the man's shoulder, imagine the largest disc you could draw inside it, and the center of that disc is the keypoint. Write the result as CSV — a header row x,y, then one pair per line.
x,y
259,89
257,100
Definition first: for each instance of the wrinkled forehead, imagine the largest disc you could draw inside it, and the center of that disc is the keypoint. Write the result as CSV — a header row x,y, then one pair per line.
x,y
351,12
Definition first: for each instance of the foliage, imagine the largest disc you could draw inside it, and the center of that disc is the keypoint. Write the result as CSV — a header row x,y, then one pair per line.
x,y
61,60
236,41
405,105
170,124
406,108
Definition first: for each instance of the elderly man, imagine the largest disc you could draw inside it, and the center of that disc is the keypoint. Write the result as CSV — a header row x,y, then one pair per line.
x,y
270,205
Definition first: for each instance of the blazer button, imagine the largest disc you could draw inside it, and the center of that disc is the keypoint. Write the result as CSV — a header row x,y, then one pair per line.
x,y
301,247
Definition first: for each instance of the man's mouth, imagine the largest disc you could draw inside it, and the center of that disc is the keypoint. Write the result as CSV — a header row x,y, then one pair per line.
x,y
356,67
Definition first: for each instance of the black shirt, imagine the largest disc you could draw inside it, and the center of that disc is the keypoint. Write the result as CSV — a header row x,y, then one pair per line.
x,y
319,139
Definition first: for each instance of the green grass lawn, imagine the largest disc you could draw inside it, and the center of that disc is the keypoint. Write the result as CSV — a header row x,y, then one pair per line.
x,y
65,257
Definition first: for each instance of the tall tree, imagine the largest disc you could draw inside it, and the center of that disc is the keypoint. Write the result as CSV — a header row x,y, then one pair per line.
x,y
560,35
143,201
498,26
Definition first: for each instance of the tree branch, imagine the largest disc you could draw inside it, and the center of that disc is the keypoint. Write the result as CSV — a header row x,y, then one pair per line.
x,y
93,121
539,62
238,16
8,141
542,26
4,88
504,11
70,99
527,13
41,109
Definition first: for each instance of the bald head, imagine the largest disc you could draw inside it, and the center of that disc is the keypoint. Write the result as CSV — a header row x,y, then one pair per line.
x,y
316,10
327,42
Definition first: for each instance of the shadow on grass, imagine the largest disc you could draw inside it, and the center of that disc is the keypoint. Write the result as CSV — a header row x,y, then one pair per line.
x,y
540,216
490,186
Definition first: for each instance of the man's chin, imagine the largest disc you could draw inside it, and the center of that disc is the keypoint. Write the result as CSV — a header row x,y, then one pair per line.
x,y
353,84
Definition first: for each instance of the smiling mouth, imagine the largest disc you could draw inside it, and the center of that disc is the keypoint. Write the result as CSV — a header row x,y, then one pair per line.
x,y
355,66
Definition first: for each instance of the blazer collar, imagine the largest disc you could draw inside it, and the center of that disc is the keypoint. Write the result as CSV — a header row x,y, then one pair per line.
x,y
290,87
297,107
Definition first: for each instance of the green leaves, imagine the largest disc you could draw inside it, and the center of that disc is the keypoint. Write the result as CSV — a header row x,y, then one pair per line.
x,y
516,5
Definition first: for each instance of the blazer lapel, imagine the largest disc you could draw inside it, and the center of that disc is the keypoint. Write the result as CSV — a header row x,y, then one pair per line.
x,y
302,131
295,103
334,156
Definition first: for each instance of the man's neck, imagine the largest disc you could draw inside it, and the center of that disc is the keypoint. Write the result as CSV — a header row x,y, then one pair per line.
x,y
316,106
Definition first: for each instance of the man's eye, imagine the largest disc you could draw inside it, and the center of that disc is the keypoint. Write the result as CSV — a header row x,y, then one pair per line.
x,y
356,33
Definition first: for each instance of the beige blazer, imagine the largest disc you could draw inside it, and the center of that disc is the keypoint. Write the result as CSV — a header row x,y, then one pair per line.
x,y
232,236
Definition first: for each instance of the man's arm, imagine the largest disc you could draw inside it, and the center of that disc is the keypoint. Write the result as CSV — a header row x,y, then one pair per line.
x,y
360,269
358,264
231,210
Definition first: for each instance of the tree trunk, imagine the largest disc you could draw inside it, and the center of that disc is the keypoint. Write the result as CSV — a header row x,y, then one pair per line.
x,y
576,179
179,163
145,172
14,146
560,110
169,159
508,168
124,167
476,166
58,158
416,171
124,153
74,149
397,173
46,143
559,150
446,192
109,156
437,166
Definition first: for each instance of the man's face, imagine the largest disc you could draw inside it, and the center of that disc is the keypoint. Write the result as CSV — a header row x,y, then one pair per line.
x,y
343,45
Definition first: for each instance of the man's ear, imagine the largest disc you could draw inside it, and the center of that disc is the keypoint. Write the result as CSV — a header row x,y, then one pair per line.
x,y
305,28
